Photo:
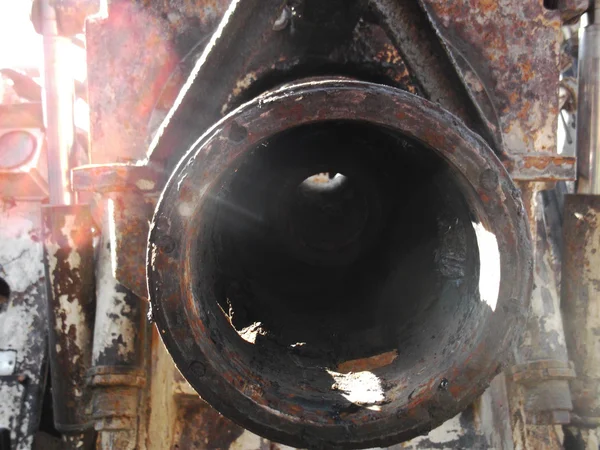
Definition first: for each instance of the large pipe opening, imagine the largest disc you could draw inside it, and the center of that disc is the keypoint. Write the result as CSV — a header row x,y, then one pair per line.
x,y
339,264
337,248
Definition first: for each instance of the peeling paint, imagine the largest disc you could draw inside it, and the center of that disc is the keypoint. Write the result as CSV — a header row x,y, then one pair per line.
x,y
23,321
112,310
20,243
247,441
145,185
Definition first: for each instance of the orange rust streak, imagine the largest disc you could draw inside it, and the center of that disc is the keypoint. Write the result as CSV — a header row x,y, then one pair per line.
x,y
370,363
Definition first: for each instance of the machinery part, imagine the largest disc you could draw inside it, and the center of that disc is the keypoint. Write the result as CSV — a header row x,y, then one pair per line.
x,y
514,76
413,34
23,326
543,353
588,107
323,39
59,92
581,303
69,265
336,310
541,167
23,171
117,373
103,178
542,370
580,292
571,10
126,81
488,105
129,226
547,395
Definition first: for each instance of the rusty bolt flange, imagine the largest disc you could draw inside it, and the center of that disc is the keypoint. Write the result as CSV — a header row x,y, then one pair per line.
x,y
280,396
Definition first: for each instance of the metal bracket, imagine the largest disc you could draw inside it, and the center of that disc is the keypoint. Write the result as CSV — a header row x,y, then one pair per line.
x,y
536,371
541,167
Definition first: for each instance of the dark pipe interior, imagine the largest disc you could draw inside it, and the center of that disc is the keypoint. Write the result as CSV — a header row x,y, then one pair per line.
x,y
334,242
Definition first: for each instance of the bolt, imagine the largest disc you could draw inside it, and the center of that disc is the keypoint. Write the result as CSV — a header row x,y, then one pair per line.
x,y
283,20
166,243
443,384
237,133
489,180
198,368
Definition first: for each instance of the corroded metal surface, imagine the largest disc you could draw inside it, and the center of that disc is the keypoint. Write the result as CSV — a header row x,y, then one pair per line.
x,y
580,302
118,318
132,223
548,399
507,53
69,263
22,321
132,56
322,38
429,64
570,10
541,167
129,215
117,374
117,177
242,393
179,417
540,370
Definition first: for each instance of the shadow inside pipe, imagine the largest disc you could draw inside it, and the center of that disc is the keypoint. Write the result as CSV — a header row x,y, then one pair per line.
x,y
342,263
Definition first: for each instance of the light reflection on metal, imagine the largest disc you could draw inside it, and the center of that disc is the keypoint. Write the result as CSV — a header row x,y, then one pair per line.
x,y
58,106
489,265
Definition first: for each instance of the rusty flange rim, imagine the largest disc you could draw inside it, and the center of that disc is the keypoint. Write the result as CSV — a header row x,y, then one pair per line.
x,y
184,329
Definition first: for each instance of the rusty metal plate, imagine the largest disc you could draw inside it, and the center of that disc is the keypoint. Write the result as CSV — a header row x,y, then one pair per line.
x,y
507,53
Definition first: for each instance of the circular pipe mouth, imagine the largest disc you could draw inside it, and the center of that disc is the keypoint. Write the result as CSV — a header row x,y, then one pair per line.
x,y
339,263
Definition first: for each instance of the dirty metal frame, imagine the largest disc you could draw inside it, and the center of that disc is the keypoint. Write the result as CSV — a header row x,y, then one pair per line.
x,y
501,75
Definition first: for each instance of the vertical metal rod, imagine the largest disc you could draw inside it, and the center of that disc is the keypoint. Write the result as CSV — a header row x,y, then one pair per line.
x,y
581,303
588,111
58,106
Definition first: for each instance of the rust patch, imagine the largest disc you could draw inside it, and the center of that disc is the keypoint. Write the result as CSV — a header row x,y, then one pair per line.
x,y
513,49
370,363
